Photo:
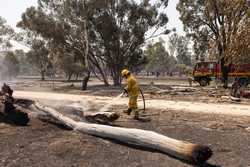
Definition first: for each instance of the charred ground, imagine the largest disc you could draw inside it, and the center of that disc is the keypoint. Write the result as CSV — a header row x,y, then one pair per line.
x,y
43,144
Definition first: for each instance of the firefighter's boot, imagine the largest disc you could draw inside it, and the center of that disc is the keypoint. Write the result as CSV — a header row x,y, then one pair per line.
x,y
128,111
136,114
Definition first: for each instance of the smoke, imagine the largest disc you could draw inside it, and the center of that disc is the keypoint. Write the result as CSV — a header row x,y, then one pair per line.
x,y
9,66
112,102
3,72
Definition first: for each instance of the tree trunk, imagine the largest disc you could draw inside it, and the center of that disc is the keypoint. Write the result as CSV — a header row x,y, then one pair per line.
x,y
42,75
105,79
157,74
224,68
224,71
77,75
100,69
189,152
85,39
85,81
116,78
69,77
116,81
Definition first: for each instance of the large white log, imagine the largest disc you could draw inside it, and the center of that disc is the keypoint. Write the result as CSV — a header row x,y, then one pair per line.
x,y
189,152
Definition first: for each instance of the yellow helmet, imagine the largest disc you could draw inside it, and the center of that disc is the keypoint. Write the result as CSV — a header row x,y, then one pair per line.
x,y
125,72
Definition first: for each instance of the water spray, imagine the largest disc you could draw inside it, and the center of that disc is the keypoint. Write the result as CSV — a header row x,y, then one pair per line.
x,y
107,106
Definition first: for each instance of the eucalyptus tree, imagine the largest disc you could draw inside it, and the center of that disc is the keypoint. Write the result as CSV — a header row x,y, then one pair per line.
x,y
6,34
102,35
159,60
38,57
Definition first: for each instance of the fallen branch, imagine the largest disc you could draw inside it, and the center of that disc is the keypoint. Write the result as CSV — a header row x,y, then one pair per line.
x,y
235,99
192,153
170,90
175,90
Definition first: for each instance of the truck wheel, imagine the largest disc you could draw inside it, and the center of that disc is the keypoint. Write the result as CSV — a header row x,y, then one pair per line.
x,y
243,81
203,82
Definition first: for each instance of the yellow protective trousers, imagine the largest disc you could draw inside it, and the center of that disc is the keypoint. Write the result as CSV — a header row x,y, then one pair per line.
x,y
133,91
132,104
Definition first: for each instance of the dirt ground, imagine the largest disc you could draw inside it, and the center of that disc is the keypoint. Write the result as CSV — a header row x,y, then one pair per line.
x,y
194,93
43,144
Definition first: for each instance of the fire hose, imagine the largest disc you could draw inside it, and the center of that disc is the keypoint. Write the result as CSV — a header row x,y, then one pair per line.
x,y
143,99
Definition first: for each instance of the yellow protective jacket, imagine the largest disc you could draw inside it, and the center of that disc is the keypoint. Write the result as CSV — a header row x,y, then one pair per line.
x,y
132,86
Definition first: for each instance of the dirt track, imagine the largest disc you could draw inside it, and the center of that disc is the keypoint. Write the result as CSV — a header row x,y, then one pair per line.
x,y
197,107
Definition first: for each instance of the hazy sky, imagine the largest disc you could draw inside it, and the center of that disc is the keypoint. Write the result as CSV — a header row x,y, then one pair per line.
x,y
173,16
11,10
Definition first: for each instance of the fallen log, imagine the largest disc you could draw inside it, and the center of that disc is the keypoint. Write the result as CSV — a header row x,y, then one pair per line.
x,y
235,99
192,153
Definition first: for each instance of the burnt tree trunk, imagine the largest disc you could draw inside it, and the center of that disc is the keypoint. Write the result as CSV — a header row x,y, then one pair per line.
x,y
224,71
69,76
77,76
8,112
85,81
224,68
42,75
95,62
116,77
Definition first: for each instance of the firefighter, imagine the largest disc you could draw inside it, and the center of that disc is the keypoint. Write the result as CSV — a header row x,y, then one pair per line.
x,y
132,89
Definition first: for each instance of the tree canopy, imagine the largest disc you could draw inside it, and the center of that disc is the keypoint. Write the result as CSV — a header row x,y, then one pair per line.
x,y
6,33
38,56
102,35
159,60
179,47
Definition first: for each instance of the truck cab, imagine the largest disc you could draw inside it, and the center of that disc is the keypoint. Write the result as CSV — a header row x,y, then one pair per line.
x,y
204,72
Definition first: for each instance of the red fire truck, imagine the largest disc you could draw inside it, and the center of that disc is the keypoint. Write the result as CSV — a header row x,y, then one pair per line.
x,y
204,72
